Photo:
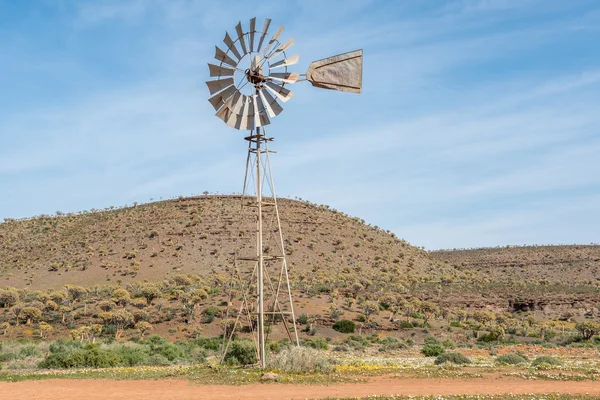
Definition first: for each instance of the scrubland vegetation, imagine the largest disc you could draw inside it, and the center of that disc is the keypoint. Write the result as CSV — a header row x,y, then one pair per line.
x,y
141,292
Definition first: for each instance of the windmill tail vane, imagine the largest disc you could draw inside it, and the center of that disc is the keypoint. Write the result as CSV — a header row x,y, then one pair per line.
x,y
250,86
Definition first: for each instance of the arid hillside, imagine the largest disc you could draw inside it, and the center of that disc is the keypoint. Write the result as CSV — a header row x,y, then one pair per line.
x,y
198,236
327,250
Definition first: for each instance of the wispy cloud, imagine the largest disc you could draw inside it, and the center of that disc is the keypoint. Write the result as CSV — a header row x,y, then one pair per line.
x,y
478,124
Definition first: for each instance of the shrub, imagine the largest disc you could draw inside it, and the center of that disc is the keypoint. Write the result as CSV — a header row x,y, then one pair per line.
x,y
156,359
89,356
432,350
430,339
452,358
391,343
209,313
449,344
299,359
511,359
317,343
546,361
406,325
344,326
241,352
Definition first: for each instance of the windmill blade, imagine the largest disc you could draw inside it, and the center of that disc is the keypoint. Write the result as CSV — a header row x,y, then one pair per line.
x,y
237,102
256,64
342,72
231,46
264,33
282,48
224,58
220,98
286,77
282,93
224,113
216,70
252,31
286,61
262,111
273,40
218,85
240,33
255,110
270,104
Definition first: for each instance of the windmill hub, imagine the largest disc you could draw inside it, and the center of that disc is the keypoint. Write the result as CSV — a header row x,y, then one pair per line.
x,y
255,77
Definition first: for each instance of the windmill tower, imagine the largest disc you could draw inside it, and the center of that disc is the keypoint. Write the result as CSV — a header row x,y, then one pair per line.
x,y
251,79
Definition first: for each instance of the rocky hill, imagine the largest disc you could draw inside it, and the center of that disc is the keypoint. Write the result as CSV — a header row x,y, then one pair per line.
x,y
198,235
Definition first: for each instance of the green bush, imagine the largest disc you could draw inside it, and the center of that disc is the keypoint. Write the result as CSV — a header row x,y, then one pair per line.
x,y
89,356
432,350
242,352
453,358
157,360
550,361
449,344
391,343
511,359
430,339
209,313
316,343
344,326
406,325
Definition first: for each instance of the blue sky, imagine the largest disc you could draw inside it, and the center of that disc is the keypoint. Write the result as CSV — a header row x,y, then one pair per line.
x,y
479,122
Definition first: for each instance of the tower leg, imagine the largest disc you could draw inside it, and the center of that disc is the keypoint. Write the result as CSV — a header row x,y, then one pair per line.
x,y
255,280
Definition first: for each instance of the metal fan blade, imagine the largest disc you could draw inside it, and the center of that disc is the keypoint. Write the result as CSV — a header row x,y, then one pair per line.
x,y
218,85
342,72
220,98
273,40
231,46
262,111
271,105
282,48
237,102
282,93
286,77
253,112
224,113
264,33
252,31
240,33
256,64
216,70
286,61
224,58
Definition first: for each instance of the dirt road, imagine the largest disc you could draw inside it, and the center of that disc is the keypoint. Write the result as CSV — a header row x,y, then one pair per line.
x,y
59,389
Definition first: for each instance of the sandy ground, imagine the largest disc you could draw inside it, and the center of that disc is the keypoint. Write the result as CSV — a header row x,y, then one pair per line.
x,y
180,389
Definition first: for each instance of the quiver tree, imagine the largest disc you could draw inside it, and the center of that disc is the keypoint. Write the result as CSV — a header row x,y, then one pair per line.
x,y
588,329
58,297
143,327
30,314
429,310
8,297
121,297
75,293
122,320
16,310
369,308
150,292
45,329
106,305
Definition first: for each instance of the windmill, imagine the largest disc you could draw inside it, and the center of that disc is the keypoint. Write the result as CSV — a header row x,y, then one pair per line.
x,y
250,85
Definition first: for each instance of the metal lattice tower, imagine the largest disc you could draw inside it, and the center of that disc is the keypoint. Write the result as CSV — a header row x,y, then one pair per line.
x,y
260,293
